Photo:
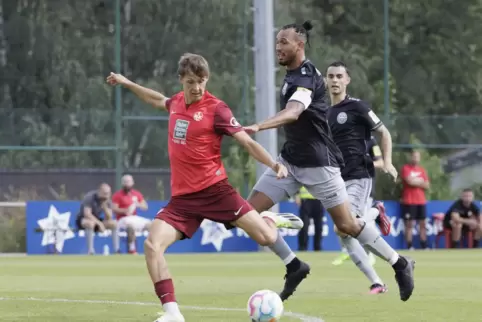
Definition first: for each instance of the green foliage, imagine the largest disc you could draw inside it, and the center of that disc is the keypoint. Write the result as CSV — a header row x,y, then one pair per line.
x,y
56,55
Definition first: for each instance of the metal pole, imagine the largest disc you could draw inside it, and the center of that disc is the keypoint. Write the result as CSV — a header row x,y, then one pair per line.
x,y
264,68
118,98
386,58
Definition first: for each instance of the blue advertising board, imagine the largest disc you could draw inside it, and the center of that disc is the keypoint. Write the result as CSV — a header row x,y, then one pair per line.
x,y
62,236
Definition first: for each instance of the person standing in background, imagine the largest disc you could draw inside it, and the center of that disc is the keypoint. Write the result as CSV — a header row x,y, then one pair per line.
x,y
310,208
415,182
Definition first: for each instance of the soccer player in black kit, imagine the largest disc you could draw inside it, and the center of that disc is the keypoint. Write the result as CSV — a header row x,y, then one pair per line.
x,y
313,160
351,122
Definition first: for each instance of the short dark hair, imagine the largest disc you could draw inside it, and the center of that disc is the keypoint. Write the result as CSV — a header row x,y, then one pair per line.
x,y
302,30
194,64
339,63
467,190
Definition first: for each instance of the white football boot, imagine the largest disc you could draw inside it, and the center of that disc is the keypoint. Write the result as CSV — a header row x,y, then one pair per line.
x,y
284,220
166,317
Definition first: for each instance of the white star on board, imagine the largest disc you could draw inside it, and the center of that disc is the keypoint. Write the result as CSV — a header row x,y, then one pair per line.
x,y
56,228
214,233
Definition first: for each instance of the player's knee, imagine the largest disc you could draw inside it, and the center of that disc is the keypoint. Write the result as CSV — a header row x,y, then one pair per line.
x,y
338,232
456,225
152,247
88,224
349,227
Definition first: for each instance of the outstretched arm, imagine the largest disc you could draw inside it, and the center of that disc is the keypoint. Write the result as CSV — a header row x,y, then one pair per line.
x,y
147,95
290,114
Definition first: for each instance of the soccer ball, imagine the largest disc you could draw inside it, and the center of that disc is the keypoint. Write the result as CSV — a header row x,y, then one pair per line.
x,y
265,306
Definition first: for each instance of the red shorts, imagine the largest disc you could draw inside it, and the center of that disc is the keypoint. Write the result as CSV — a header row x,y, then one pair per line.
x,y
219,203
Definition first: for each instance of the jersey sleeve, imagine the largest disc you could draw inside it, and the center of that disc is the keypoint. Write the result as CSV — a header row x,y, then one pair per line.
x,y
140,197
88,200
369,117
455,207
302,90
168,104
224,121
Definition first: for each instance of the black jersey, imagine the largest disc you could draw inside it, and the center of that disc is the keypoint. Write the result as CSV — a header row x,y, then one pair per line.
x,y
351,123
308,139
466,212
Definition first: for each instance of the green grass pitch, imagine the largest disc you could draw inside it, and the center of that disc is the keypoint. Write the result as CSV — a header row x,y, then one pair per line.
x,y
215,287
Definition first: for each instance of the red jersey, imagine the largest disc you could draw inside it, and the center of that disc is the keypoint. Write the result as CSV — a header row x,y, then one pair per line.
x,y
125,199
195,134
413,195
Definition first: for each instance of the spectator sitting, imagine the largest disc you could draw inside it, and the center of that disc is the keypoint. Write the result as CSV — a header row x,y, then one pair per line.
x,y
464,216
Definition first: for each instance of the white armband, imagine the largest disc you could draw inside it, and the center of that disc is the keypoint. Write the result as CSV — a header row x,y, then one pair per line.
x,y
302,95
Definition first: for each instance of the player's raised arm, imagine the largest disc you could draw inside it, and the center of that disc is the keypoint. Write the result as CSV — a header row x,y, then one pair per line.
x,y
147,95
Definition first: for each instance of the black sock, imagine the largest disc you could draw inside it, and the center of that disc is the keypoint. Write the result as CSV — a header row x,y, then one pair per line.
x,y
409,245
476,243
400,264
293,266
423,244
455,243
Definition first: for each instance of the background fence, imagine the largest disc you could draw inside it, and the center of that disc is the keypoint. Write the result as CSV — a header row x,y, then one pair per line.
x,y
63,130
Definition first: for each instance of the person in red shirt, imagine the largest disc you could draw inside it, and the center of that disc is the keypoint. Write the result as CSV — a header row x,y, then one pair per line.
x,y
415,182
199,183
124,204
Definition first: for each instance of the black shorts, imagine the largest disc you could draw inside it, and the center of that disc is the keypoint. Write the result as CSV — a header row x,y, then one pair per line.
x,y
414,212
78,223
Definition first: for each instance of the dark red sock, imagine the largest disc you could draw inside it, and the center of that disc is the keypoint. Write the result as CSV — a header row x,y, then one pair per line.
x,y
165,291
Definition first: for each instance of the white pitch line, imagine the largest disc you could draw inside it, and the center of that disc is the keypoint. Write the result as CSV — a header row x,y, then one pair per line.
x,y
299,316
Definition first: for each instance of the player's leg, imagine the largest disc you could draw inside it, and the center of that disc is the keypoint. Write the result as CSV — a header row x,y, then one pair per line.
x,y
408,219
111,224
303,233
343,256
455,225
358,194
421,218
134,225
267,192
317,215
89,227
478,232
168,227
327,185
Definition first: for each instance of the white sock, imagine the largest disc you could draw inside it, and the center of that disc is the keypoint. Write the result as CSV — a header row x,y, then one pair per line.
x,y
372,214
171,308
132,246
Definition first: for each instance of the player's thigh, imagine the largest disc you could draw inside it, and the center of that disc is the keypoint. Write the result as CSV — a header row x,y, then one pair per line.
x,y
325,184
358,191
269,190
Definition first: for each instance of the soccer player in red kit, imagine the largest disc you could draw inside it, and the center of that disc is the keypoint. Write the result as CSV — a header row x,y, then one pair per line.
x,y
200,188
